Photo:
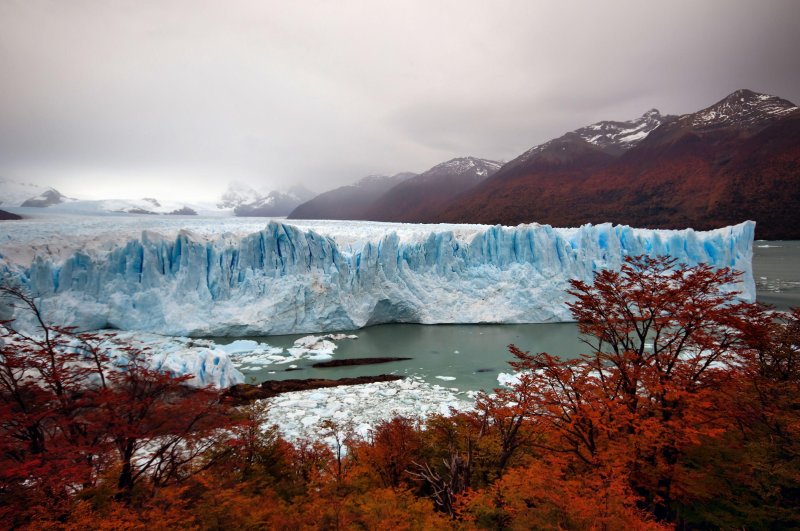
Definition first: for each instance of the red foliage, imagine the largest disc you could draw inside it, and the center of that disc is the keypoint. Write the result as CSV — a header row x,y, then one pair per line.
x,y
684,412
665,342
69,417
391,451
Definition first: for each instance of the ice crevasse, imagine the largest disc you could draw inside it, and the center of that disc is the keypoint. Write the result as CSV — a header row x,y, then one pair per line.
x,y
291,278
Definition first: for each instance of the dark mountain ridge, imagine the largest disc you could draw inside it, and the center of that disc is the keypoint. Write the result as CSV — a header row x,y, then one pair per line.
x,y
735,160
349,202
421,198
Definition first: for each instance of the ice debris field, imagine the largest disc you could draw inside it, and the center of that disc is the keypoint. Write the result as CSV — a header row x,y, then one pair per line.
x,y
206,278
298,414
360,407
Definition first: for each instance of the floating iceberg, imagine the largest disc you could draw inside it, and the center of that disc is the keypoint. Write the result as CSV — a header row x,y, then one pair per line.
x,y
250,355
308,277
207,362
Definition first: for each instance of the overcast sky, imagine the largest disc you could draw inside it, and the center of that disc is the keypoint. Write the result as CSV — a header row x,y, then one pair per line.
x,y
174,99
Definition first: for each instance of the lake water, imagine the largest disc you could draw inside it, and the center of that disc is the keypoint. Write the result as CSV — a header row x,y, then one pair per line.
x,y
776,268
475,354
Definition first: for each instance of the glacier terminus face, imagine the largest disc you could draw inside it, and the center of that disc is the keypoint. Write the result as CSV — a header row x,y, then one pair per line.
x,y
203,277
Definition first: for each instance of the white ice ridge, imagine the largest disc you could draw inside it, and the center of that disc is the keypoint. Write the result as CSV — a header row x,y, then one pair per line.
x,y
323,276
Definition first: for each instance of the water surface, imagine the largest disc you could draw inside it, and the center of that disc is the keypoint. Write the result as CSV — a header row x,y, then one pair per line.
x,y
475,354
776,268
472,354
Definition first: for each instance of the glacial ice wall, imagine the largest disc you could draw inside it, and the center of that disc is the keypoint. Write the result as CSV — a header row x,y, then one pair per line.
x,y
287,279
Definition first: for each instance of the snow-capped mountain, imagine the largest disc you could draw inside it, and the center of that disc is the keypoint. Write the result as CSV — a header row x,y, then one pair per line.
x,y
732,161
613,136
741,109
610,137
465,168
247,201
349,202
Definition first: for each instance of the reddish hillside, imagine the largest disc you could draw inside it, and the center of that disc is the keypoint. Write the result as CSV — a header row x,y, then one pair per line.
x,y
422,197
738,159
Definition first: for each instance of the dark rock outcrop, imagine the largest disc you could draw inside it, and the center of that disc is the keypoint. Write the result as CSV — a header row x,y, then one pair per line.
x,y
245,393
348,362
45,199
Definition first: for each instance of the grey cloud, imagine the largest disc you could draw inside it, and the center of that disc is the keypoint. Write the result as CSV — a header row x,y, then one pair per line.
x,y
179,96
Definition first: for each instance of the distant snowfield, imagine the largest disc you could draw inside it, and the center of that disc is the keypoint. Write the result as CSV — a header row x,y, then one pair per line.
x,y
13,194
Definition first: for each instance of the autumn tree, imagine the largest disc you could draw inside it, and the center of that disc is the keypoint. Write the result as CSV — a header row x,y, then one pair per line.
x,y
749,477
664,343
662,340
389,452
48,382
71,417
158,426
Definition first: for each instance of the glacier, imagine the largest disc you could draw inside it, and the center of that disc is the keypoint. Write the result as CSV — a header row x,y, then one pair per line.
x,y
203,278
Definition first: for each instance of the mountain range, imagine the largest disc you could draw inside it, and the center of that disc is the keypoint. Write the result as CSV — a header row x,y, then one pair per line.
x,y
350,202
239,199
735,160
404,197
